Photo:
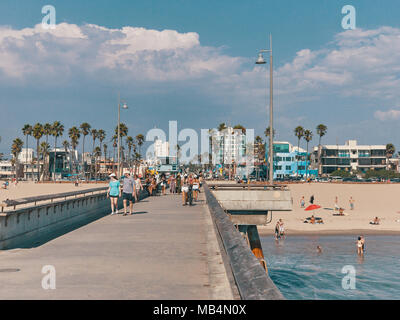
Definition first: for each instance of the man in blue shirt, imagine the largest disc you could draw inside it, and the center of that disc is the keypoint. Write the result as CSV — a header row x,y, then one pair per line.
x,y
128,193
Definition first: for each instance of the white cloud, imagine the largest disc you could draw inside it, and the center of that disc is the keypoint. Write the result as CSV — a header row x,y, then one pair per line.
x,y
358,63
130,53
391,114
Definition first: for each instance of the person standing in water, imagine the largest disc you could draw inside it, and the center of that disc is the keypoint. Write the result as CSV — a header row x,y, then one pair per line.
x,y
360,250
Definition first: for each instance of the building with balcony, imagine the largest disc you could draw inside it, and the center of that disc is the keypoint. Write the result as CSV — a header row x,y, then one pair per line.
x,y
228,146
290,161
351,157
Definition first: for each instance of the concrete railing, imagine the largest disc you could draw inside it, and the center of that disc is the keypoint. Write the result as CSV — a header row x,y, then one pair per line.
x,y
26,226
252,281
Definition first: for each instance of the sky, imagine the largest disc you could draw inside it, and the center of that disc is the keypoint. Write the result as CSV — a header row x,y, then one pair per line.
x,y
193,61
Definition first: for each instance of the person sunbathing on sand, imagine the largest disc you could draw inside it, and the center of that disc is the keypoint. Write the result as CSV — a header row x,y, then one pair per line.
x,y
376,221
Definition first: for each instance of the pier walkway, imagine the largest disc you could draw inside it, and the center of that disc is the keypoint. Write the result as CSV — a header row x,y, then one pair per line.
x,y
164,251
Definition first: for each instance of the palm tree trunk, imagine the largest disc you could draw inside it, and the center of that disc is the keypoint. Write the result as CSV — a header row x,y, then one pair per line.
x,y
26,157
55,158
83,158
307,162
297,158
37,162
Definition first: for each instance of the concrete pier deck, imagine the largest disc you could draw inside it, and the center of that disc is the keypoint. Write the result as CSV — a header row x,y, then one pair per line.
x,y
164,251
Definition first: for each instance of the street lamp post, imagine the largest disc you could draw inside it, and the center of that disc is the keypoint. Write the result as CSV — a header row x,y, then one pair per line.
x,y
124,106
261,60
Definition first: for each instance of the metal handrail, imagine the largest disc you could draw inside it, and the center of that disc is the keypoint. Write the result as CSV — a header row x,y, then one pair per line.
x,y
239,186
65,195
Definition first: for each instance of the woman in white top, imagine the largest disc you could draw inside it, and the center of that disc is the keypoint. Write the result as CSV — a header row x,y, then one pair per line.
x,y
139,187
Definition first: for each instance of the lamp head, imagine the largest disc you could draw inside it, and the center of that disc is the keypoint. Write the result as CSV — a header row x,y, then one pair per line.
x,y
260,59
124,106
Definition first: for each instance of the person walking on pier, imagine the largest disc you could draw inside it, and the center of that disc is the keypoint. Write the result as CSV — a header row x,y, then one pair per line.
x,y
114,192
128,193
178,183
139,187
172,184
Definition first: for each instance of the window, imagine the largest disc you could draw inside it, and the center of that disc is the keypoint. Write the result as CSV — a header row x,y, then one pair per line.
x,y
288,167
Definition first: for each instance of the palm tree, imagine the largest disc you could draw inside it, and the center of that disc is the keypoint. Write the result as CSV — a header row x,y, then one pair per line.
x,y
321,131
47,129
85,130
390,150
138,156
239,126
37,133
27,131
58,130
101,135
140,141
308,137
123,130
105,147
299,133
267,132
95,134
65,144
221,126
130,144
44,150
74,134
96,155
115,145
16,148
260,147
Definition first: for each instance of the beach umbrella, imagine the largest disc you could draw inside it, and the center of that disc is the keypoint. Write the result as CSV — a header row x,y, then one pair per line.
x,y
312,207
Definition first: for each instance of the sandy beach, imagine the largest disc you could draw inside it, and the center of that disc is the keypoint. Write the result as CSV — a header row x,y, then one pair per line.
x,y
371,200
30,189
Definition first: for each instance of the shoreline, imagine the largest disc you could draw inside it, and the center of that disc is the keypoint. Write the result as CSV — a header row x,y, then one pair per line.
x,y
321,233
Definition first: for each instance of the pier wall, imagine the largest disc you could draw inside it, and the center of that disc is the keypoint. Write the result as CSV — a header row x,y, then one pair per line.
x,y
31,226
251,280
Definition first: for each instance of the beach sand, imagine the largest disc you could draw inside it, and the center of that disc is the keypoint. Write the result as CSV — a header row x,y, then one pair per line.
x,y
371,200
30,189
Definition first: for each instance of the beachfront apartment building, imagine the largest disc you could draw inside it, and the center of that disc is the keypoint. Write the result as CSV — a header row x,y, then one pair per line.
x,y
290,161
350,157
228,146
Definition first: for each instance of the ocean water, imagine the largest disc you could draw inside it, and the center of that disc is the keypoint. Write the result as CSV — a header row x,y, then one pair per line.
x,y
300,272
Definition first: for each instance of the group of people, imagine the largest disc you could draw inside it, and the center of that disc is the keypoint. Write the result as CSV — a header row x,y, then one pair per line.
x,y
129,191
187,184
336,204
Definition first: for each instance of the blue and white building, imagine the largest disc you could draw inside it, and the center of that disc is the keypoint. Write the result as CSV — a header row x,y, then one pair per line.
x,y
290,161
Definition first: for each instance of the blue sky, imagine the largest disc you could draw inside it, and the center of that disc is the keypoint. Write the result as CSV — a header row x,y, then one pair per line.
x,y
202,71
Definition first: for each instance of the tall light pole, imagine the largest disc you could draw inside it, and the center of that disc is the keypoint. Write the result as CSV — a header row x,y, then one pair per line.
x,y
124,106
261,60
